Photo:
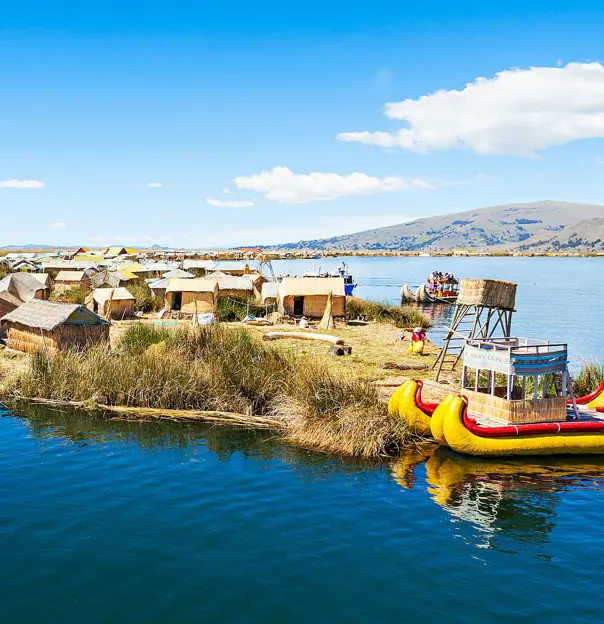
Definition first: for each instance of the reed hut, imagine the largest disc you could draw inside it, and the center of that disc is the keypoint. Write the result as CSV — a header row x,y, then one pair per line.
x,y
192,295
198,267
158,286
269,293
239,287
26,286
113,279
118,303
8,303
178,274
45,325
308,296
68,280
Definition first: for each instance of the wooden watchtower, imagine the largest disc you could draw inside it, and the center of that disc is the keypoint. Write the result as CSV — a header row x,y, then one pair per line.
x,y
484,311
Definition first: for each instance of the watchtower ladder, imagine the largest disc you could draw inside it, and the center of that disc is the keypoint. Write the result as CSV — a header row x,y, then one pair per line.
x,y
484,311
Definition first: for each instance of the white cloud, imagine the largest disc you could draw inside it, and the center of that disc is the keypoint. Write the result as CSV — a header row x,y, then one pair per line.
x,y
286,187
154,185
599,161
226,191
59,224
229,204
22,184
517,112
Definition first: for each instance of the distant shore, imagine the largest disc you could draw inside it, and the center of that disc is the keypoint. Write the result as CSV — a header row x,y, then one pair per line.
x,y
306,254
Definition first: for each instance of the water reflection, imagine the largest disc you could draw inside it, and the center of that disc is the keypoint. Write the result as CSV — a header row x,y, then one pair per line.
x,y
52,424
499,504
513,500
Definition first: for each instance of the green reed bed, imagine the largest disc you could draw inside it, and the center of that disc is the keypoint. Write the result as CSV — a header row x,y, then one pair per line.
x,y
145,300
400,316
588,379
224,369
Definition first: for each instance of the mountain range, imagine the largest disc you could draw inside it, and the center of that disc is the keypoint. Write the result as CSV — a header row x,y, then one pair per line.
x,y
530,227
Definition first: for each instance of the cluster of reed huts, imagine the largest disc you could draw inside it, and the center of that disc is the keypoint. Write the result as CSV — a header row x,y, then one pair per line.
x,y
186,286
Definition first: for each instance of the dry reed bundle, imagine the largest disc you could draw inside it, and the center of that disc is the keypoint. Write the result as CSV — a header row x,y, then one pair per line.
x,y
487,292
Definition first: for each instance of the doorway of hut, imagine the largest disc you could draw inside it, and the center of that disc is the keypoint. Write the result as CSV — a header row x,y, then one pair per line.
x,y
298,306
176,301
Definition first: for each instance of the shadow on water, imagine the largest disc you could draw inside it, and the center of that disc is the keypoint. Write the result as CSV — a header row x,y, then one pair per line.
x,y
500,498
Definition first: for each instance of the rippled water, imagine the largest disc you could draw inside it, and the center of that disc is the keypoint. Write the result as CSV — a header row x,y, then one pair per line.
x,y
103,520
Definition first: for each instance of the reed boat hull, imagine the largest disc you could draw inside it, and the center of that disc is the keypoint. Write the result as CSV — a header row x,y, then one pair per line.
x,y
407,404
464,436
423,296
451,426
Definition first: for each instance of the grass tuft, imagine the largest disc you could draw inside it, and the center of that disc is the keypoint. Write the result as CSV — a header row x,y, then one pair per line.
x,y
145,300
589,378
400,316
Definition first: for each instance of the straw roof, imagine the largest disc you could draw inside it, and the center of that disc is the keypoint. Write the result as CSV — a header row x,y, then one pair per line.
x,y
8,303
270,290
70,276
101,295
73,265
178,273
49,315
192,285
308,286
24,286
235,282
43,278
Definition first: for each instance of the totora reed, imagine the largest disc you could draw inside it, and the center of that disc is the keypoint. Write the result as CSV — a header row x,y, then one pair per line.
x,y
220,369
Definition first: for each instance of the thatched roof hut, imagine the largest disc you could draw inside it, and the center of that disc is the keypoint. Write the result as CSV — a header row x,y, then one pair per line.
x,y
114,279
8,303
198,267
190,295
51,326
269,292
178,274
67,280
240,286
118,303
26,286
307,296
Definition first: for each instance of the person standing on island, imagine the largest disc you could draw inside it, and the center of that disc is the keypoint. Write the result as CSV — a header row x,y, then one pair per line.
x,y
417,342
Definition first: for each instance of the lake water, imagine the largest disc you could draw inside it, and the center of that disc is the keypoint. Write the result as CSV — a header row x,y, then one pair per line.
x,y
108,521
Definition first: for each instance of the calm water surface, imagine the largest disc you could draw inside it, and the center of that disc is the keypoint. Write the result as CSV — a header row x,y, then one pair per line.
x,y
107,521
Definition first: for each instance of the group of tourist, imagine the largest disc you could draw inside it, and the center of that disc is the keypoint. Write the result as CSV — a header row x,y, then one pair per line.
x,y
437,276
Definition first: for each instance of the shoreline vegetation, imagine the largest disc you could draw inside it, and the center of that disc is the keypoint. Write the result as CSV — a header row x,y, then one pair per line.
x,y
226,374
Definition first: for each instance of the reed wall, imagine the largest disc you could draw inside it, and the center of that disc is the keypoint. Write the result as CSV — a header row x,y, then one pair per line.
x,y
516,412
32,339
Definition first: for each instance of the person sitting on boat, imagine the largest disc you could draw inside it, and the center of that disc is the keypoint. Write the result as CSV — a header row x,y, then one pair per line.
x,y
431,286
342,269
417,342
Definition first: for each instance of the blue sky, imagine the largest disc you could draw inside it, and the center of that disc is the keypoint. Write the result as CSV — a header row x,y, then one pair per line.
x,y
119,121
